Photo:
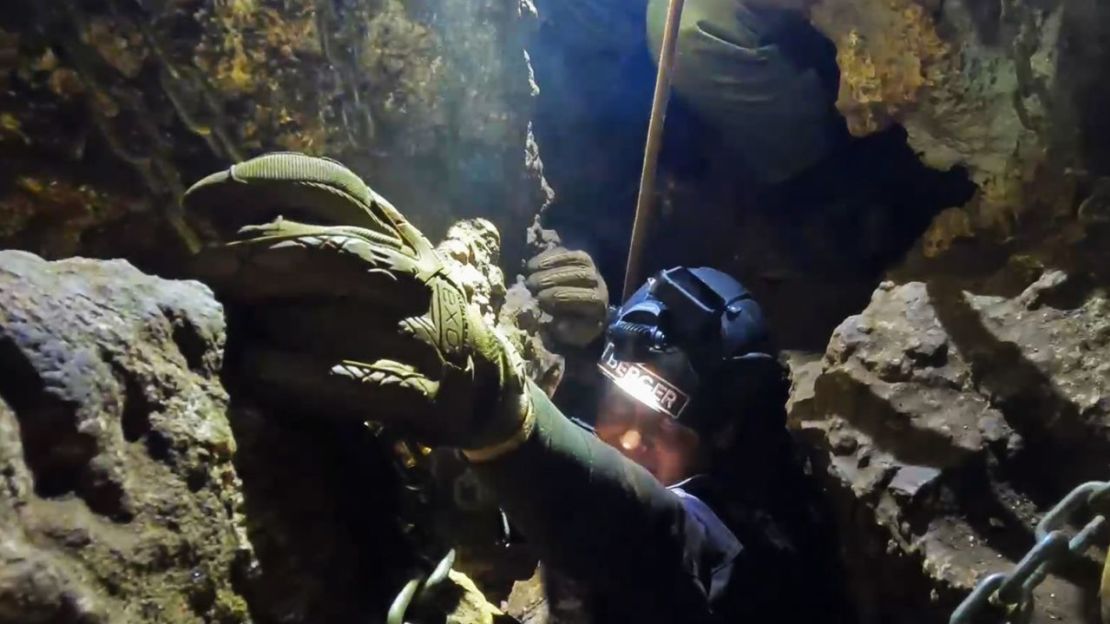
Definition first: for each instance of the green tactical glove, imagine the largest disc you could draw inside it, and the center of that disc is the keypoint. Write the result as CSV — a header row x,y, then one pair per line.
x,y
348,309
569,287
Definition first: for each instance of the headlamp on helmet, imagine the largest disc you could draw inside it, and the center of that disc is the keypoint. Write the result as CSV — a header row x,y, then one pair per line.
x,y
676,331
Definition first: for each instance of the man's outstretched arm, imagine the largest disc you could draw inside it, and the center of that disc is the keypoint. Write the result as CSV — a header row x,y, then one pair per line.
x,y
600,518
354,315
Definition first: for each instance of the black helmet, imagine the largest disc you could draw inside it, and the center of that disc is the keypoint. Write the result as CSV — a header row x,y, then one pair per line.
x,y
693,344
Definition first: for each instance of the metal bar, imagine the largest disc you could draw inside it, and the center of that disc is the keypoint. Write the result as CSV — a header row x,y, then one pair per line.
x,y
644,206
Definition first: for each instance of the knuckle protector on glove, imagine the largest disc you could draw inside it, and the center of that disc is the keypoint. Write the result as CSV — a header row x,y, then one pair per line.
x,y
585,277
571,300
558,257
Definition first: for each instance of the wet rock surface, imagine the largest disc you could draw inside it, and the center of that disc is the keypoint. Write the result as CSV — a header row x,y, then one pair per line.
x,y
945,423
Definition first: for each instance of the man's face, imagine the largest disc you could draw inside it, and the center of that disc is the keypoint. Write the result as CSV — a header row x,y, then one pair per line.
x,y
669,451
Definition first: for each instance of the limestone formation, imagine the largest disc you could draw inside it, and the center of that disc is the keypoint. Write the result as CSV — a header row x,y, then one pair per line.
x,y
122,502
136,490
1000,89
522,321
109,110
944,423
471,253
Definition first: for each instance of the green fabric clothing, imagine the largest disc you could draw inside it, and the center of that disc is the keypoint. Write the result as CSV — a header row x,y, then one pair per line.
x,y
735,68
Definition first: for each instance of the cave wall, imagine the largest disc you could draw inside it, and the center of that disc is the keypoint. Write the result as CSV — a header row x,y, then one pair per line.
x,y
945,422
969,396
137,491
136,488
1006,91
110,109
959,261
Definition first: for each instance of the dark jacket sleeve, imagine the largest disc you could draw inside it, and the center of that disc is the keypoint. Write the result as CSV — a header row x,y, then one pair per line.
x,y
601,519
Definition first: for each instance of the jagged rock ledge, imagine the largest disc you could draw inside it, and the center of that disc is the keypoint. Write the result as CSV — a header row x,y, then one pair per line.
x,y
945,423
133,488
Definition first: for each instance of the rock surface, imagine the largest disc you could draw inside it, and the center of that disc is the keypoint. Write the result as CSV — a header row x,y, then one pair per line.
x,y
135,490
1006,91
973,96
472,252
109,110
946,422
121,502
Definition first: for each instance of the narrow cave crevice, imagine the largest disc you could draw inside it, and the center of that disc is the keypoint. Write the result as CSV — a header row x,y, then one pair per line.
x,y
56,453
812,248
136,409
596,79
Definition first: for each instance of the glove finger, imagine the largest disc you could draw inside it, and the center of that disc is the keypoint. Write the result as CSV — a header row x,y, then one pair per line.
x,y
405,399
290,260
418,244
557,257
586,302
338,330
585,277
383,391
315,190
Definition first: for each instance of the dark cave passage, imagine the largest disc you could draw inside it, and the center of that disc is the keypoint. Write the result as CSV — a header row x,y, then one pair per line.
x,y
812,248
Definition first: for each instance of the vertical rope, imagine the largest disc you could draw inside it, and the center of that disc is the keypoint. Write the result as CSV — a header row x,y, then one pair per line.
x,y
645,209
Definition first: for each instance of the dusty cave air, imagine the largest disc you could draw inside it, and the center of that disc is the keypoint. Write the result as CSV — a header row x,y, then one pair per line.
x,y
938,286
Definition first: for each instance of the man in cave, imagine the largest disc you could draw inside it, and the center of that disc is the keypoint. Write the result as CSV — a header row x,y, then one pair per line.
x,y
354,316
